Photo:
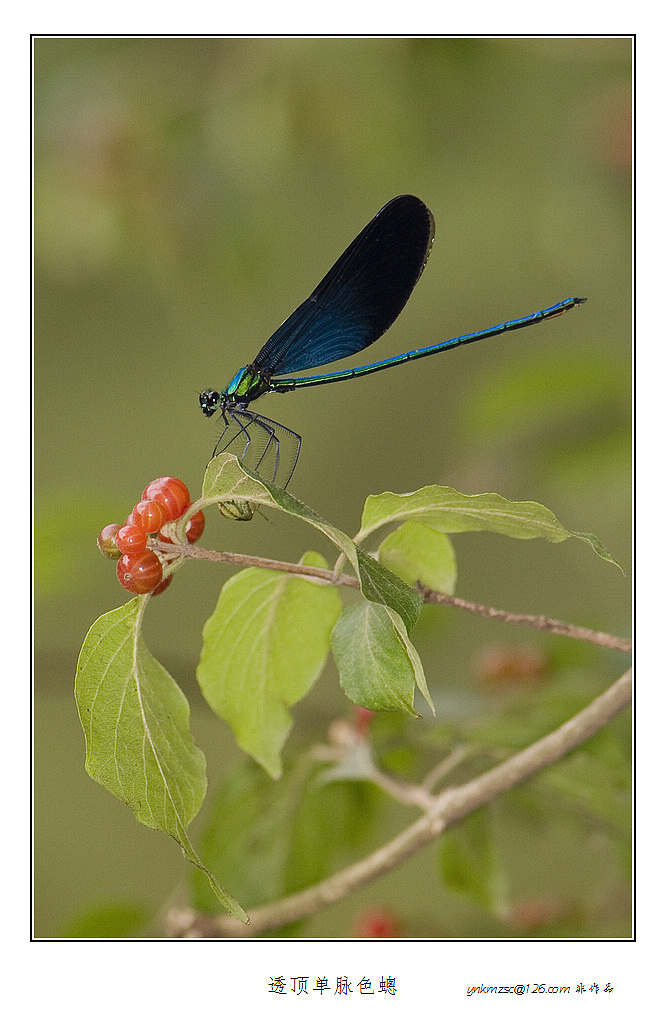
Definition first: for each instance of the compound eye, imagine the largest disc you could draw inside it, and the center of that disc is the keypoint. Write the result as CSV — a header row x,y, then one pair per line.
x,y
210,402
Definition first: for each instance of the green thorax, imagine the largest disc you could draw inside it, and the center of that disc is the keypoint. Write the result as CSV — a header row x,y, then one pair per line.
x,y
247,385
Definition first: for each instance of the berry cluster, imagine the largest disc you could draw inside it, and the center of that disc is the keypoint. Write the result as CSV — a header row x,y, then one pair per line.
x,y
139,569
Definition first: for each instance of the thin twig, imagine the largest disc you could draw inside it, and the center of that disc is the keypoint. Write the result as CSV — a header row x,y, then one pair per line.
x,y
446,766
448,808
245,560
539,622
399,790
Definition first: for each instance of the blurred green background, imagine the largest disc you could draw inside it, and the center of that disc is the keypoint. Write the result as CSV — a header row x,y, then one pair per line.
x,y
189,194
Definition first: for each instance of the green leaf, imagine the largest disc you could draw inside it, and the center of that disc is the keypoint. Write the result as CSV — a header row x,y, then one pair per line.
x,y
418,553
384,587
331,822
247,833
136,724
264,647
378,664
446,510
226,480
469,862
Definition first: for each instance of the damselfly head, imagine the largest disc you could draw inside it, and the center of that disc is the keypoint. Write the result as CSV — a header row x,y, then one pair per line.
x,y
209,401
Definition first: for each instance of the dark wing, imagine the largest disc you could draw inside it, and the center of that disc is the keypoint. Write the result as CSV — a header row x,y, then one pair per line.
x,y
261,444
360,297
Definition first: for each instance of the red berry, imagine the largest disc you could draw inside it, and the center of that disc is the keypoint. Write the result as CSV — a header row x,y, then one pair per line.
x,y
106,542
195,527
131,539
172,494
140,572
162,586
149,515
